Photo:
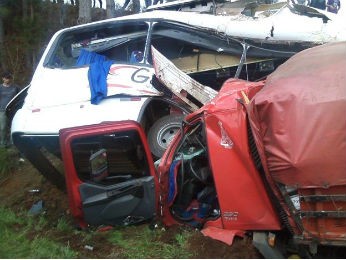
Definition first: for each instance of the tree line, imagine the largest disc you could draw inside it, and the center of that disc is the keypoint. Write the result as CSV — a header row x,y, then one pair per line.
x,y
26,26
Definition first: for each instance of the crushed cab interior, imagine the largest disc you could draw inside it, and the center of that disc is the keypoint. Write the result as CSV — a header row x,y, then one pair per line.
x,y
192,196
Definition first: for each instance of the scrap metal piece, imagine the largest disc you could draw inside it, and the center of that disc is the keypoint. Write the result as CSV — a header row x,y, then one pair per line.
x,y
178,82
37,208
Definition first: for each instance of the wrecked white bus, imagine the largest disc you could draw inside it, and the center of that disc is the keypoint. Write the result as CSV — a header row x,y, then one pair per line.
x,y
102,71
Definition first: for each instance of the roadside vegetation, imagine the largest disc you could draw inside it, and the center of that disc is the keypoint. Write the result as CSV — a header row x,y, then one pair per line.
x,y
51,231
18,239
20,234
6,164
147,243
25,30
26,235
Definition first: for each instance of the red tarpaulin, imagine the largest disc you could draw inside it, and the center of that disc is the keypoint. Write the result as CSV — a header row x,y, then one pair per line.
x,y
299,118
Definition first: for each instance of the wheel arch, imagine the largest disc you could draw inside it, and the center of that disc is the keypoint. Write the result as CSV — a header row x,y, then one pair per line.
x,y
157,107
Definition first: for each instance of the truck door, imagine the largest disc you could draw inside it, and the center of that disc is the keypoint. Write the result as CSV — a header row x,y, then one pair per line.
x,y
110,175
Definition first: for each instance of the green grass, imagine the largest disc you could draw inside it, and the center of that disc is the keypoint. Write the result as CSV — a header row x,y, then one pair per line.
x,y
145,243
64,226
7,165
26,236
16,243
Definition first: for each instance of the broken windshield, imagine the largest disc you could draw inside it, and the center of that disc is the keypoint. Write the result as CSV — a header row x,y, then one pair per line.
x,y
117,42
209,57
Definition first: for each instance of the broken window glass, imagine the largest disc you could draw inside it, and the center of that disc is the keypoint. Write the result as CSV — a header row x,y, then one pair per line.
x,y
115,42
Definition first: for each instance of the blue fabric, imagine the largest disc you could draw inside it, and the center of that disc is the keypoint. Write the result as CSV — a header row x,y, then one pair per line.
x,y
171,182
87,57
203,210
188,213
97,76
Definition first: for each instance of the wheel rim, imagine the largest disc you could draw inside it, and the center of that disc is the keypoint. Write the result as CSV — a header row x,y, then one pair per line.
x,y
166,135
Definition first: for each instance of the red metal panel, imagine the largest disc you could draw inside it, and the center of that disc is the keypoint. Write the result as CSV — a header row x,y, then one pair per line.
x,y
323,227
243,199
72,181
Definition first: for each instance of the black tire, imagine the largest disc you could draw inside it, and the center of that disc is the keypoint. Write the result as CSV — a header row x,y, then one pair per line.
x,y
162,132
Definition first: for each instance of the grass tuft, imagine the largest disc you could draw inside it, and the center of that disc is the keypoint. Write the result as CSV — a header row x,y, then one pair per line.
x,y
145,243
7,165
16,242
64,226
46,248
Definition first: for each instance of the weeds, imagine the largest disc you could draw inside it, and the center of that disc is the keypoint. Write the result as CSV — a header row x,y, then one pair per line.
x,y
24,236
16,243
146,243
7,165
33,236
116,237
182,239
41,224
63,225
46,248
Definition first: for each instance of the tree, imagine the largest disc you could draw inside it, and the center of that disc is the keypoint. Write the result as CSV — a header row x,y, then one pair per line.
x,y
110,8
1,40
84,12
23,34
94,3
25,30
2,36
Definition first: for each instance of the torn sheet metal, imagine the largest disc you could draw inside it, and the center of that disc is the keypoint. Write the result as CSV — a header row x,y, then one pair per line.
x,y
176,80
223,235
225,141
218,7
286,25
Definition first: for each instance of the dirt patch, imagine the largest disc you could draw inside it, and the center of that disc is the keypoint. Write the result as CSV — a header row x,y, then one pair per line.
x,y
207,248
24,187
100,247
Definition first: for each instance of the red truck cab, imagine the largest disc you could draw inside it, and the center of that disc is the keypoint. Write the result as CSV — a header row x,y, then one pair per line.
x,y
254,159
184,188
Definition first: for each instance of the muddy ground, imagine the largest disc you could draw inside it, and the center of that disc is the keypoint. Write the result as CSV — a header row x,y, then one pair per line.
x,y
25,186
